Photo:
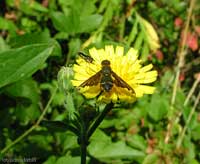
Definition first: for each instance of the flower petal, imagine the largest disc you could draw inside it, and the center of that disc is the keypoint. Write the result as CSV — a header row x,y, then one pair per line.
x,y
119,51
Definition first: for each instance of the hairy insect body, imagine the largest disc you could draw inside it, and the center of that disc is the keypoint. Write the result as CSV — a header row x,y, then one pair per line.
x,y
106,79
85,57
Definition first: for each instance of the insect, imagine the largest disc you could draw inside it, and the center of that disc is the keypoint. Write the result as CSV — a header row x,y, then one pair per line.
x,y
106,77
86,57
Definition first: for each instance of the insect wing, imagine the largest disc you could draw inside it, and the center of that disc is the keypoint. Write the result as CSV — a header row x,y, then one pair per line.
x,y
118,81
94,80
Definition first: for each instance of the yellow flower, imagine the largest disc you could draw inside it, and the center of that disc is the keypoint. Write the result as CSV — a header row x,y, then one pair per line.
x,y
127,67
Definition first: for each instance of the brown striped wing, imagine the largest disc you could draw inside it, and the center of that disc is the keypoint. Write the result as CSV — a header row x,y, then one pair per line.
x,y
93,80
118,81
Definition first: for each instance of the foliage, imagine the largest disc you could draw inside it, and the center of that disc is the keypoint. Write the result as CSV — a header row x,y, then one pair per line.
x,y
37,38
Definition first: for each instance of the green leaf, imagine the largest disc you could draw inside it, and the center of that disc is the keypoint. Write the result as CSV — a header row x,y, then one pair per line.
x,y
24,89
166,79
50,160
87,8
151,158
89,23
103,149
69,141
158,107
72,23
29,25
139,41
194,161
61,35
37,6
145,52
60,21
26,113
35,38
111,151
7,25
25,8
41,139
66,23
27,94
107,123
107,16
3,45
74,47
67,3
194,119
70,106
133,33
103,5
30,38
136,141
195,132
20,63
190,147
32,8
77,17
83,9
68,160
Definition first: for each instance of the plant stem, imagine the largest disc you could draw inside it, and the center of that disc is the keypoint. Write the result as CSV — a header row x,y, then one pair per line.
x,y
83,141
99,119
180,139
181,61
86,133
181,51
191,92
83,151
